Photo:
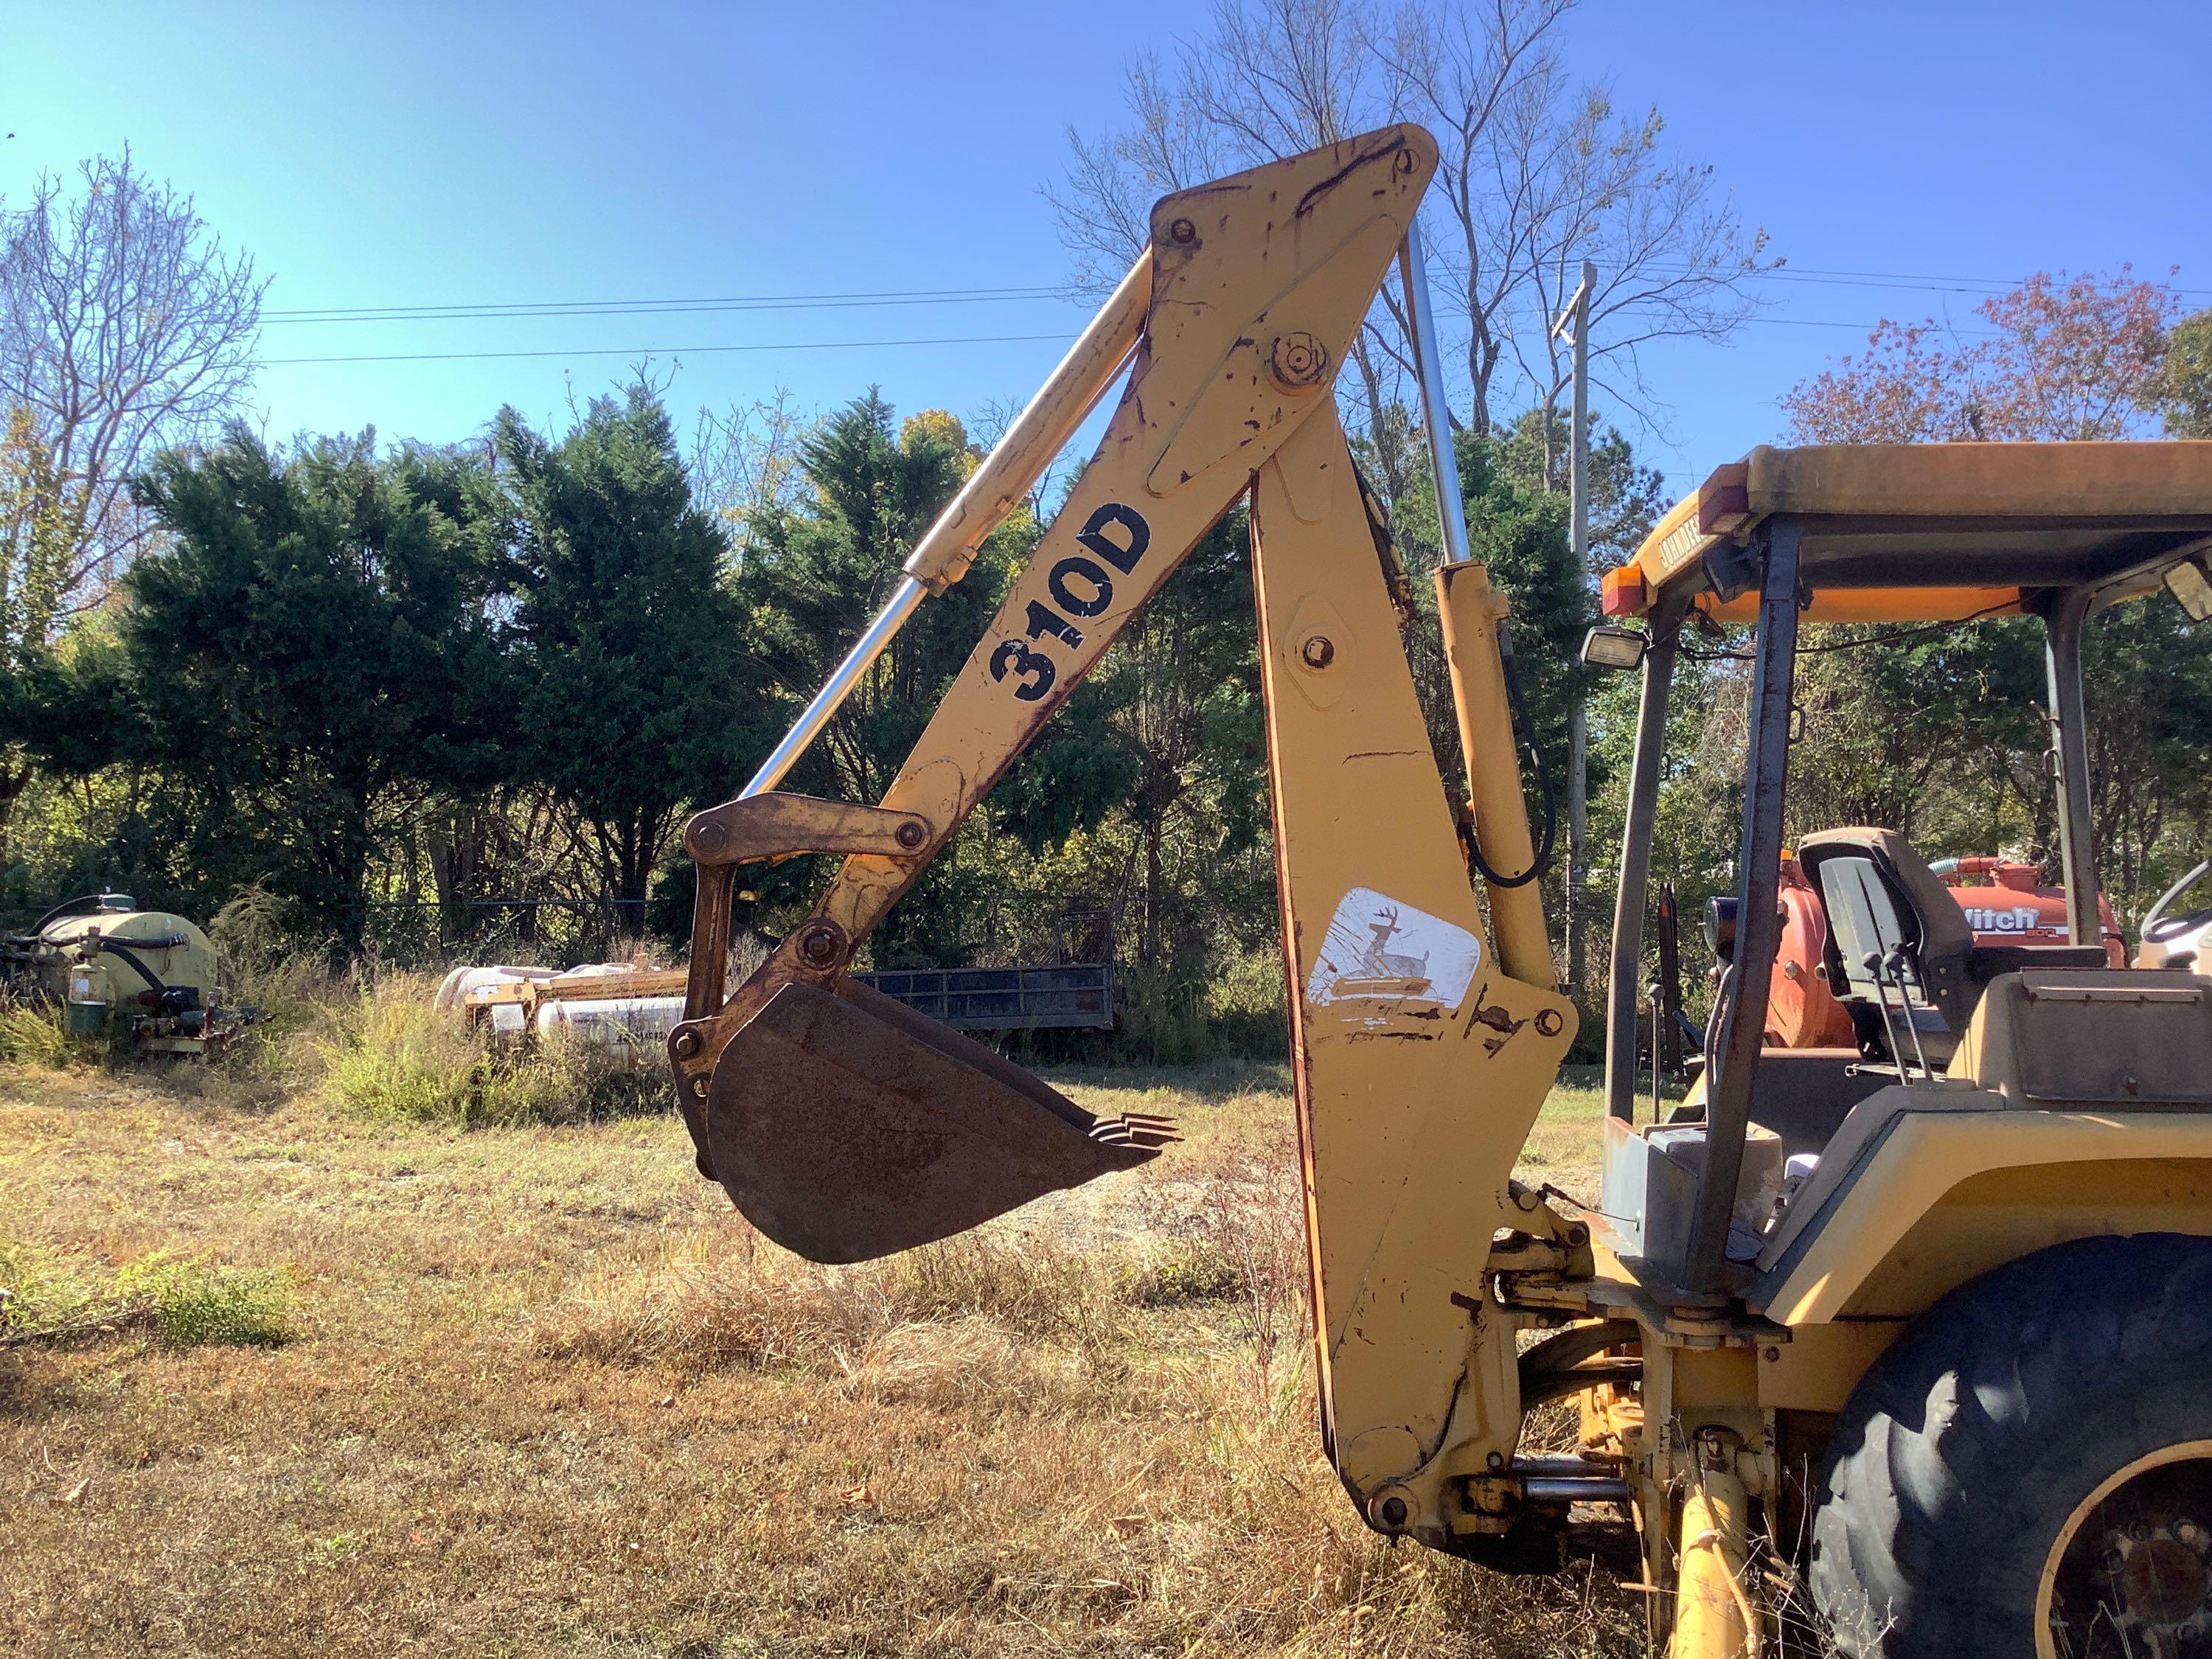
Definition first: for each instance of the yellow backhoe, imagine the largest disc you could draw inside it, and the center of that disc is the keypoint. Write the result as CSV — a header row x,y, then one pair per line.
x,y
1921,1325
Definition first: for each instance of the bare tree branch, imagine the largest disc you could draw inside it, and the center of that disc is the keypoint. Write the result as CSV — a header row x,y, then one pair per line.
x,y
744,465
1536,175
125,328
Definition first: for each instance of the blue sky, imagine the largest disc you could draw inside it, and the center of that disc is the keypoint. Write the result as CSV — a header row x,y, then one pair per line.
x,y
407,155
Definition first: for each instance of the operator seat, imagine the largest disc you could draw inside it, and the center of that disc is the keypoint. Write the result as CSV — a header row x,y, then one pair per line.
x,y
1898,938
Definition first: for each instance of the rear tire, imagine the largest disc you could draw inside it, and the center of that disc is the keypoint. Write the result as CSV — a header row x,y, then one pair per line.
x,y
2009,1437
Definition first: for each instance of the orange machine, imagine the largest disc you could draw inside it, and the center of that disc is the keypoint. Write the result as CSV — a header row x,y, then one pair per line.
x,y
2006,903
2010,903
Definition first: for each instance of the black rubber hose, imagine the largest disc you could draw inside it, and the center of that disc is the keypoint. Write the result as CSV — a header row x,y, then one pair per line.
x,y
62,909
132,958
1525,728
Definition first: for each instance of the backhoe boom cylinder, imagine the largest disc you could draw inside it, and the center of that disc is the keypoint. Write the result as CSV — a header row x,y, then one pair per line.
x,y
1472,613
942,556
1436,412
1039,433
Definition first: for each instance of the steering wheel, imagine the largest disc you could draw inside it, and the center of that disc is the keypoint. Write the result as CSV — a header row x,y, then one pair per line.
x,y
2166,927
2158,926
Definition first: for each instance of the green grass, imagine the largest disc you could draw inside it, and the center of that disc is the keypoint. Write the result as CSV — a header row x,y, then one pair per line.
x,y
38,1290
392,1057
1580,1094
542,1387
182,1302
193,1305
34,1035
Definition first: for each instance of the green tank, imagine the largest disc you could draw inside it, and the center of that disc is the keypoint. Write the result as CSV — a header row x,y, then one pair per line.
x,y
142,977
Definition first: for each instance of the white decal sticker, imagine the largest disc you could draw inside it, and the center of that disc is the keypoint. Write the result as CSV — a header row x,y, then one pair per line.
x,y
1378,947
2018,919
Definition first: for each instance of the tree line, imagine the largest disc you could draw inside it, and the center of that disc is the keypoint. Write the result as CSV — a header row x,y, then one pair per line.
x,y
373,687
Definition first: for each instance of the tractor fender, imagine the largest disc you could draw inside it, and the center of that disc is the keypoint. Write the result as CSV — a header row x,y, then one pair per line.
x,y
1941,1183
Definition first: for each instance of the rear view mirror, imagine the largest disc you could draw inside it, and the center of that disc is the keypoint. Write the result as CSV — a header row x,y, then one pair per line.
x,y
1720,926
2188,583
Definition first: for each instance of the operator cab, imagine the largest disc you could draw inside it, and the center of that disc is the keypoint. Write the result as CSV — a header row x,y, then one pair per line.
x,y
1916,534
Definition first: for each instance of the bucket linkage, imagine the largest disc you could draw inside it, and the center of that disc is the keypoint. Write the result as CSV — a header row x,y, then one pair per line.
x,y
843,1124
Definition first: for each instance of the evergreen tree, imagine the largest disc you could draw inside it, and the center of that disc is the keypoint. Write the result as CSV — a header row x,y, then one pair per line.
x,y
817,575
634,696
301,663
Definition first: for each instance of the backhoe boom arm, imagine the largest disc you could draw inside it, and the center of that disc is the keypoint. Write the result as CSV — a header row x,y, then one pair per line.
x,y
846,1127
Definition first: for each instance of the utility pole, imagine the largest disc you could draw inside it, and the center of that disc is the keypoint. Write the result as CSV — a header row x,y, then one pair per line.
x,y
1573,324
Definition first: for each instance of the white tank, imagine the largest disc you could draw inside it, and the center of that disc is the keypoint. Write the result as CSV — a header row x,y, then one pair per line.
x,y
637,1023
454,989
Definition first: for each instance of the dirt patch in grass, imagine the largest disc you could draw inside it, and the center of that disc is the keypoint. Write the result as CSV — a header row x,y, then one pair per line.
x,y
541,1391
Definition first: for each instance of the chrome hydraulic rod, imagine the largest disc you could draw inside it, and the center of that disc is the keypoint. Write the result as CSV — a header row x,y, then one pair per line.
x,y
942,556
1436,414
1478,652
904,601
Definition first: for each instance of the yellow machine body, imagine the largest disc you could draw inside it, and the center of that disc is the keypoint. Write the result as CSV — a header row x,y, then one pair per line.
x,y
1426,1026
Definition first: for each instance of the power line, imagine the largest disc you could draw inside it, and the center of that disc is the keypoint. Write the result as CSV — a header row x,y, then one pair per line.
x,y
485,311
1985,287
666,351
843,345
493,309
1863,328
526,308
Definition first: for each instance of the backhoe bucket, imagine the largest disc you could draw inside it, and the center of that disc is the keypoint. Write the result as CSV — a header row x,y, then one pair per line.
x,y
846,1125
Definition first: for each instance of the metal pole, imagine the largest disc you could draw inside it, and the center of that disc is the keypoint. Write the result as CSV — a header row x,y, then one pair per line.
x,y
1734,1066
1578,711
1436,414
2070,747
1628,903
1578,454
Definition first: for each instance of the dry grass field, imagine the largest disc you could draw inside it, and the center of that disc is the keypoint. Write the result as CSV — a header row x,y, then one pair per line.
x,y
289,1368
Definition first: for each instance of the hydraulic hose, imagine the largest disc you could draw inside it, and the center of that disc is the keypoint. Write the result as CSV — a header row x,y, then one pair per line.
x,y
61,910
1526,728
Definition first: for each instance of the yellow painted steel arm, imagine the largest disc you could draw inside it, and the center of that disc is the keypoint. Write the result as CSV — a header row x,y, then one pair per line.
x,y
1420,1057
1420,1061
1259,282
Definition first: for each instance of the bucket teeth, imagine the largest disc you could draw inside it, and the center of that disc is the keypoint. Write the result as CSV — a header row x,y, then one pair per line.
x,y
1149,1133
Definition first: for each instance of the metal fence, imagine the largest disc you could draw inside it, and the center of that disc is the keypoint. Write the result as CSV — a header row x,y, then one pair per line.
x,y
1073,996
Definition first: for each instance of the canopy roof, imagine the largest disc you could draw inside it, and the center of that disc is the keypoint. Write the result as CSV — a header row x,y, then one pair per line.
x,y
1933,532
